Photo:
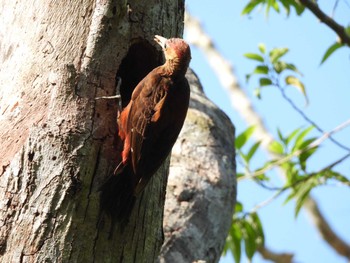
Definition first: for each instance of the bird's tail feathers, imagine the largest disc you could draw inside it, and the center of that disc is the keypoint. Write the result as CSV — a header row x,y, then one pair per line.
x,y
117,194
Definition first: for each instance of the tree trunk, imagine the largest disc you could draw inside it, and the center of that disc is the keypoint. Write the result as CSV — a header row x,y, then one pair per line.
x,y
201,191
57,142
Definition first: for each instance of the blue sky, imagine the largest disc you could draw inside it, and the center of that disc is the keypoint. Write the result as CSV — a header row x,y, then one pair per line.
x,y
328,90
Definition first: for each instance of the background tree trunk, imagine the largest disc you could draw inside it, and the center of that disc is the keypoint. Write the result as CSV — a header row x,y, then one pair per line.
x,y
58,143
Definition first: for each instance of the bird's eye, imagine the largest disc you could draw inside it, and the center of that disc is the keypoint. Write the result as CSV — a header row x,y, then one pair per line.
x,y
165,45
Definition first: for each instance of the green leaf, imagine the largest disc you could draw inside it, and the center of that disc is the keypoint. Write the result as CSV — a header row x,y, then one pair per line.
x,y
243,156
236,236
276,53
262,177
289,197
250,6
337,176
302,193
262,48
293,68
267,11
238,207
347,31
286,6
300,139
304,156
227,246
265,82
280,66
330,51
249,240
257,92
258,229
243,137
292,172
247,77
275,6
276,147
280,136
292,135
254,56
307,142
299,8
295,82
252,150
261,70
238,175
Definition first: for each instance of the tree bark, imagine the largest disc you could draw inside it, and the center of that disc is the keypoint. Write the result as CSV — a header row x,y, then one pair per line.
x,y
57,142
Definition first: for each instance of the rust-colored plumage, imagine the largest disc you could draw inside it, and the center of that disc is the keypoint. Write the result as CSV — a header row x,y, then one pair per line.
x,y
151,122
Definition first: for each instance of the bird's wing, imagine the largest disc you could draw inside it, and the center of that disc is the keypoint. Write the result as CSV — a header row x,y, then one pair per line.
x,y
152,144
144,106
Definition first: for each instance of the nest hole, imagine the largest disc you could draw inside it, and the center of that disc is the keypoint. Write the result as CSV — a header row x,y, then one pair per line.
x,y
142,57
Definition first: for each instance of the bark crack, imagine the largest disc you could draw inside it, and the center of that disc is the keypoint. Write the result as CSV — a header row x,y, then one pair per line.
x,y
94,174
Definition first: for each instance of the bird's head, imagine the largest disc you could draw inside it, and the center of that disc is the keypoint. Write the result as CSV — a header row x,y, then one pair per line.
x,y
177,53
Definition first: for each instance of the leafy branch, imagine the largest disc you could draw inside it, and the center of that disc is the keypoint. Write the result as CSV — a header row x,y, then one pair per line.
x,y
277,148
292,160
294,149
326,172
246,229
299,6
271,69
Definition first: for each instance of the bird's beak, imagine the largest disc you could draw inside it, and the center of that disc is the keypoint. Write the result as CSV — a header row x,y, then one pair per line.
x,y
160,40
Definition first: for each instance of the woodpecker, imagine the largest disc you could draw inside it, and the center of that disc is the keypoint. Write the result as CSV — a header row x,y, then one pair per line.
x,y
151,122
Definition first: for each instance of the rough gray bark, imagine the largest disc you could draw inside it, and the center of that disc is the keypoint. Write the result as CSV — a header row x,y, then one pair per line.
x,y
201,189
57,143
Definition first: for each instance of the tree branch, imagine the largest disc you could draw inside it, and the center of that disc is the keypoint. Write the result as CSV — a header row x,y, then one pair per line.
x,y
275,257
307,119
224,71
338,29
325,230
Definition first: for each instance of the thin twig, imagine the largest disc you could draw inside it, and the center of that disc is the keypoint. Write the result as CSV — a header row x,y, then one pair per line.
x,y
267,201
306,118
119,83
334,7
347,3
326,135
335,163
108,97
